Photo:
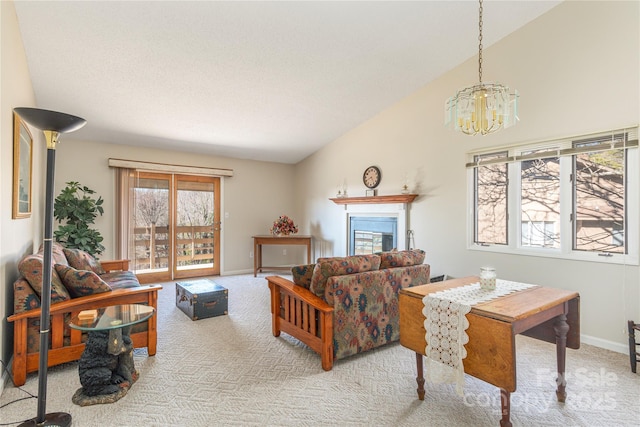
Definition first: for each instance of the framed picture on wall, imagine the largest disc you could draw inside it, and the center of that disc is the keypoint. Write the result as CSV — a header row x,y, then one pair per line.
x,y
22,163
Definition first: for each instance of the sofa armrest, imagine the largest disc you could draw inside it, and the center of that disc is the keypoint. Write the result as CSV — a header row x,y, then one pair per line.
x,y
303,315
115,265
300,292
103,299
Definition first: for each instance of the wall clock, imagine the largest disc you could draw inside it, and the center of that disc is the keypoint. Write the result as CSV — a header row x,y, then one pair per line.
x,y
372,176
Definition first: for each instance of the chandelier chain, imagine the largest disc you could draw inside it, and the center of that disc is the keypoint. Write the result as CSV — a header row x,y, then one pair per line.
x,y
480,44
482,108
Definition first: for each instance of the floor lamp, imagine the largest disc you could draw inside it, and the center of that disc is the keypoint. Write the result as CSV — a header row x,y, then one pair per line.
x,y
52,124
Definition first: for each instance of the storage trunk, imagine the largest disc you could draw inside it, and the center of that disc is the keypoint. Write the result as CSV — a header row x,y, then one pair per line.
x,y
202,298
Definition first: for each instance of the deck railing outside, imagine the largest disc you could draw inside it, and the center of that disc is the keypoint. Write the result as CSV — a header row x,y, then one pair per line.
x,y
194,246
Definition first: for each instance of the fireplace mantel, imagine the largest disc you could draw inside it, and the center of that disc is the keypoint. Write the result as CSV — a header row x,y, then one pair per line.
x,y
396,198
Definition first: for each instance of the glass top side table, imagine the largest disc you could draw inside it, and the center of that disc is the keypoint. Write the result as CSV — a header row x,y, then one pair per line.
x,y
113,317
106,367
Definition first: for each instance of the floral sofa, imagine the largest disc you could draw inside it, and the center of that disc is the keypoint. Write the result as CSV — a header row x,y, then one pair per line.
x,y
78,282
345,305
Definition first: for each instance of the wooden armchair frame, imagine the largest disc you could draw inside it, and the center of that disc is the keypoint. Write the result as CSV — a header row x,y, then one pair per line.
x,y
24,362
303,315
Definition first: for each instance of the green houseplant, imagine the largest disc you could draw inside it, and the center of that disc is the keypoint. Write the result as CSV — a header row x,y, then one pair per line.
x,y
77,209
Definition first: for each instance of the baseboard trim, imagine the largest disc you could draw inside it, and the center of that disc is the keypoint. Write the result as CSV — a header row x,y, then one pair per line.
x,y
236,272
606,344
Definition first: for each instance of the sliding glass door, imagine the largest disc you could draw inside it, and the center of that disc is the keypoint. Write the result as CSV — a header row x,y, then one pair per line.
x,y
196,235
175,224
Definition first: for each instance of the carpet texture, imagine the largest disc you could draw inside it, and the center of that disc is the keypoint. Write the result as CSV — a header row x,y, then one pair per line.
x,y
230,370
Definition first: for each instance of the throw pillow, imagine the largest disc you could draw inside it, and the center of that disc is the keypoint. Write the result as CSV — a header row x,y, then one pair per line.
x,y
24,297
302,275
81,283
57,253
338,266
401,258
30,267
81,260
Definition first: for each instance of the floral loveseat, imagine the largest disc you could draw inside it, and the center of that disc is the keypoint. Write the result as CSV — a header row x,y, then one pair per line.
x,y
78,282
345,305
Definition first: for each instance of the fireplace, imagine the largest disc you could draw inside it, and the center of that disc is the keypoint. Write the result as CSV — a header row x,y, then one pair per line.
x,y
382,223
379,227
371,234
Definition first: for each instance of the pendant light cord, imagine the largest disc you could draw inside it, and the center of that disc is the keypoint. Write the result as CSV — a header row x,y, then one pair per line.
x,y
480,45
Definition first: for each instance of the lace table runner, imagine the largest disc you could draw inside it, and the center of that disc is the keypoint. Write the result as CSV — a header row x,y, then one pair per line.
x,y
446,324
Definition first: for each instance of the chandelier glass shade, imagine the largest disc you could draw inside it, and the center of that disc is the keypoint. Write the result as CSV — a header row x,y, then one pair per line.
x,y
482,108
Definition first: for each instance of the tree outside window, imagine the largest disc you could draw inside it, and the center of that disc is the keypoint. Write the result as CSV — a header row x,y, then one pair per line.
x,y
599,212
491,201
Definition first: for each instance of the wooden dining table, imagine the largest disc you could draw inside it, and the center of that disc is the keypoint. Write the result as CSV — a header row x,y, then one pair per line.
x,y
547,314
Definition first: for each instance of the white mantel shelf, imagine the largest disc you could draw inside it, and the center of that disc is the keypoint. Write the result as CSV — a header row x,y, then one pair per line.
x,y
396,198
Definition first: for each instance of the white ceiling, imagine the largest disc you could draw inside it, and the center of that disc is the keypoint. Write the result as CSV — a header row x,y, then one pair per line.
x,y
270,81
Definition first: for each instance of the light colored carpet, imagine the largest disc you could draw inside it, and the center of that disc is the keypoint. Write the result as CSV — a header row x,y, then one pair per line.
x,y
230,370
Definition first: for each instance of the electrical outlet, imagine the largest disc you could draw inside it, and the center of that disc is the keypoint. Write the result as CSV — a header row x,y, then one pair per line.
x,y
284,252
250,254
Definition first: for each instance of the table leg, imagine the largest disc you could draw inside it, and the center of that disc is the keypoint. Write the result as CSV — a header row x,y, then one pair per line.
x,y
106,367
420,377
561,328
505,403
255,260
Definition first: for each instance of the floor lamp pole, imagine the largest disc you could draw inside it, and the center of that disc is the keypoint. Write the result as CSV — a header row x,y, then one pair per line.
x,y
45,320
52,124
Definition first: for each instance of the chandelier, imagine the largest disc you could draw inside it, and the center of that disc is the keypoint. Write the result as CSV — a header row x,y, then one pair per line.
x,y
482,108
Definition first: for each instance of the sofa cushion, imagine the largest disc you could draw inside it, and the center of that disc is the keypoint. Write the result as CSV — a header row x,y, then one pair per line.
x,y
121,279
57,253
81,283
366,306
24,297
30,267
81,260
338,266
302,275
401,258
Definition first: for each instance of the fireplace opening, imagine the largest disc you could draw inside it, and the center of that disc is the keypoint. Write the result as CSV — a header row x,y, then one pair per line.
x,y
368,235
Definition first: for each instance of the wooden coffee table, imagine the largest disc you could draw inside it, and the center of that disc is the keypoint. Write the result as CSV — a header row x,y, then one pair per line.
x,y
548,314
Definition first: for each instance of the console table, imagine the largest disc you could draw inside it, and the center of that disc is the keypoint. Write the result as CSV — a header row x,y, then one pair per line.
x,y
548,314
259,241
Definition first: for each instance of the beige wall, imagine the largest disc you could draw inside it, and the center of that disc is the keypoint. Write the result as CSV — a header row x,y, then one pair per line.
x,y
577,71
16,236
254,197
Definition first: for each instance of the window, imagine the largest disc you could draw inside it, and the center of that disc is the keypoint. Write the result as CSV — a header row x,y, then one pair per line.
x,y
490,198
574,198
540,202
599,193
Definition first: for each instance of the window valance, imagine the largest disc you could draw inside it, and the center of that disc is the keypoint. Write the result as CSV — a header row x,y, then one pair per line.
x,y
163,167
617,139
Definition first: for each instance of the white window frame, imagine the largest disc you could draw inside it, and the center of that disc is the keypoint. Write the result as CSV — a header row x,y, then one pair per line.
x,y
514,245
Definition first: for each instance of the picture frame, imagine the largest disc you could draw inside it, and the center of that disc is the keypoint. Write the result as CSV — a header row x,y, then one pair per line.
x,y
371,193
22,168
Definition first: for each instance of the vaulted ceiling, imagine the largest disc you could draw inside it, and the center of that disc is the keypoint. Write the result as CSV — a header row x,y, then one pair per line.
x,y
270,81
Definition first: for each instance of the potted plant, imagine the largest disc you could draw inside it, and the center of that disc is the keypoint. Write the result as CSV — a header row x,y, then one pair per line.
x,y
77,209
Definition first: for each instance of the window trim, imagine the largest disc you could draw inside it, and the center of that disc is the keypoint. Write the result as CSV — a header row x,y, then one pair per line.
x,y
514,228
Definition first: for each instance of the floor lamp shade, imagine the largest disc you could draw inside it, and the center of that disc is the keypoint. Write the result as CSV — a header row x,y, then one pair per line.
x,y
52,123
